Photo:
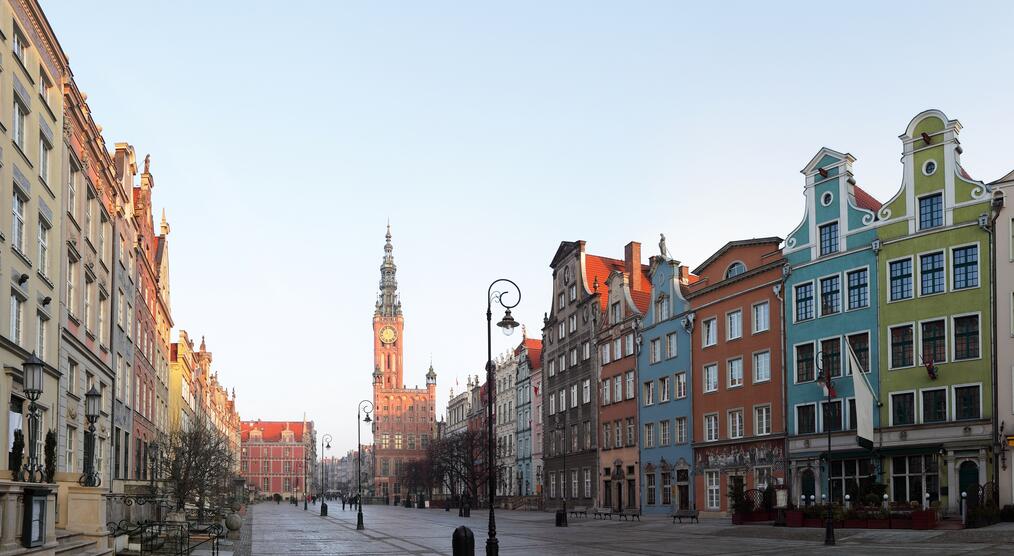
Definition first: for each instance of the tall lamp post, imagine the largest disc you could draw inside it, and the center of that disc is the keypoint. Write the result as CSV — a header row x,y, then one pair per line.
x,y
325,444
561,426
507,324
90,478
829,393
32,472
359,458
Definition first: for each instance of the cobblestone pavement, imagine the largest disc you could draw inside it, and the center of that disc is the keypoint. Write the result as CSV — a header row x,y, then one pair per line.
x,y
286,529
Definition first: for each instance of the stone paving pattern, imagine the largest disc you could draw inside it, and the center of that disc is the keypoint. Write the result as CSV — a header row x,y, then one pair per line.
x,y
271,529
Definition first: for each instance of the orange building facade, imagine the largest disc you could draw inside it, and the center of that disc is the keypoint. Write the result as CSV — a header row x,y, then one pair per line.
x,y
739,432
404,419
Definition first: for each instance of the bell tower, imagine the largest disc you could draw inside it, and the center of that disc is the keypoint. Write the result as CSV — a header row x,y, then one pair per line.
x,y
388,324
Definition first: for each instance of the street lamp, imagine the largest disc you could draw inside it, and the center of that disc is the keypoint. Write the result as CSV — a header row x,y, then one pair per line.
x,y
32,471
325,443
829,525
359,459
562,518
90,478
507,324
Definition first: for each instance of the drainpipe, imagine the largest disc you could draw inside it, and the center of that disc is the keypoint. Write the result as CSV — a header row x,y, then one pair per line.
x,y
112,359
779,293
995,206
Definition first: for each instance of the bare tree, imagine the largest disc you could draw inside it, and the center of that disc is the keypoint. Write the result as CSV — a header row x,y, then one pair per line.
x,y
195,465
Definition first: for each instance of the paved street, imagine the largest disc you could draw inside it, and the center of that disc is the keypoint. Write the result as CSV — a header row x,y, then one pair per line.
x,y
286,529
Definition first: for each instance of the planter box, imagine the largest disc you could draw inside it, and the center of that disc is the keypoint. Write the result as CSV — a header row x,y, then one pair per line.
x,y
878,523
813,522
761,515
855,523
738,519
901,523
793,518
924,519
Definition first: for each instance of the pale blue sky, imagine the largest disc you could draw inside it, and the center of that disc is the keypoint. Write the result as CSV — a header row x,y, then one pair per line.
x,y
284,134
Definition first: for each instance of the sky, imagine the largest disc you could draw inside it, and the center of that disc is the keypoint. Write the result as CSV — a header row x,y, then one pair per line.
x,y
284,135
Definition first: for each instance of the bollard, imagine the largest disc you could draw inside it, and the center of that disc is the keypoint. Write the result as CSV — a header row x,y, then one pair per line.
x,y
463,542
885,502
848,500
925,503
964,513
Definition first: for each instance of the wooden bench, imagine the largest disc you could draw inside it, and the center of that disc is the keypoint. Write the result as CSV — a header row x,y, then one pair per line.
x,y
603,513
692,515
579,510
631,514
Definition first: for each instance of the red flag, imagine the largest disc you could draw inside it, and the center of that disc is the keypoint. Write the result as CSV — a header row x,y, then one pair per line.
x,y
828,386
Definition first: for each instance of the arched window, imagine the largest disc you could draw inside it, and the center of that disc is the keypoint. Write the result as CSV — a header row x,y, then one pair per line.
x,y
735,269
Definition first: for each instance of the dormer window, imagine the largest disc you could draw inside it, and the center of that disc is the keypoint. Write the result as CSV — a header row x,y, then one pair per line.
x,y
735,269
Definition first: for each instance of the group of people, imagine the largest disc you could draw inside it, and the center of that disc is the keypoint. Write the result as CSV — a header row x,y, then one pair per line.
x,y
351,500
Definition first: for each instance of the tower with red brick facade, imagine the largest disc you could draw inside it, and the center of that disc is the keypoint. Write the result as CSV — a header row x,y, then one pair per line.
x,y
404,418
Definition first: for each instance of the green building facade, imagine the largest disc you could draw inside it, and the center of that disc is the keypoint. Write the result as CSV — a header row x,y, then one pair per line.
x,y
935,319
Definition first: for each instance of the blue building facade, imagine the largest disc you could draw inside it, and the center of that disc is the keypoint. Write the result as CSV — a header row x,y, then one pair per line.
x,y
663,361
830,298
528,354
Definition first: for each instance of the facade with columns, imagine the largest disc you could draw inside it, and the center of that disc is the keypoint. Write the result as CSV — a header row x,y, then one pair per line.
x,y
404,419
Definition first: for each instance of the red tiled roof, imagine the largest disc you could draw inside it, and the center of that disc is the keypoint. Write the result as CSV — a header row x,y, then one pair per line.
x,y
271,431
866,201
600,268
641,299
534,347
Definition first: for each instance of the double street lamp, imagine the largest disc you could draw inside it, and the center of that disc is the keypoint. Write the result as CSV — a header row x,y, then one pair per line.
x,y
325,444
507,324
359,458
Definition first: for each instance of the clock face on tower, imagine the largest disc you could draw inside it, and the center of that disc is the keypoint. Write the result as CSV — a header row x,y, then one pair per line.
x,y
388,335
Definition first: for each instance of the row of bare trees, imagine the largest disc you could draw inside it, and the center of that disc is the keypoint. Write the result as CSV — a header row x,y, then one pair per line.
x,y
456,462
196,466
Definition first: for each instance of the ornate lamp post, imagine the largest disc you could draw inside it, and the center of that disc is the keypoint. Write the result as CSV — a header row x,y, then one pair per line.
x,y
829,389
90,478
32,472
325,444
359,458
507,324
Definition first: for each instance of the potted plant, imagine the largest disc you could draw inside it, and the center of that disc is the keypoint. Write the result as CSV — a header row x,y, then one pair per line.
x,y
50,456
17,453
741,507
878,518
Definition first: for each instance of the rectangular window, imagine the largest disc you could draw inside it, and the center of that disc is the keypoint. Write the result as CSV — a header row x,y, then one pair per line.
x,y
664,433
650,488
552,367
630,431
832,415
43,253
966,267
617,388
663,389
666,488
711,427
618,435
934,342
648,392
630,384
552,485
586,391
859,288
762,367
901,279
681,430
712,479
563,399
44,157
762,420
736,423
605,392
663,308
861,347
903,409
40,335
670,345
585,351
572,323
829,239
901,346
561,331
20,114
573,357
710,378
804,301
628,341
587,483
830,356
615,313
681,385
934,405
19,46
572,292
966,337
654,351
606,428
734,325
931,211
710,332
806,419
18,223
561,301
966,403
562,362
604,353
931,273
70,451
830,295
761,317
804,363
17,318
649,435
573,396
735,372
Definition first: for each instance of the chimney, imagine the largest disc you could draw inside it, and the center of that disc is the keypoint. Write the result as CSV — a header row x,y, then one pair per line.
x,y
632,264
684,275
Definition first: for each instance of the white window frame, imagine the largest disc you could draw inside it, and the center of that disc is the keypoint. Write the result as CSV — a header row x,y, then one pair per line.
x,y
915,406
753,366
952,335
742,423
887,279
753,317
815,299
709,331
663,389
954,400
949,265
916,345
671,345
718,433
816,418
680,386
730,329
845,286
728,373
757,420
917,272
818,296
947,404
